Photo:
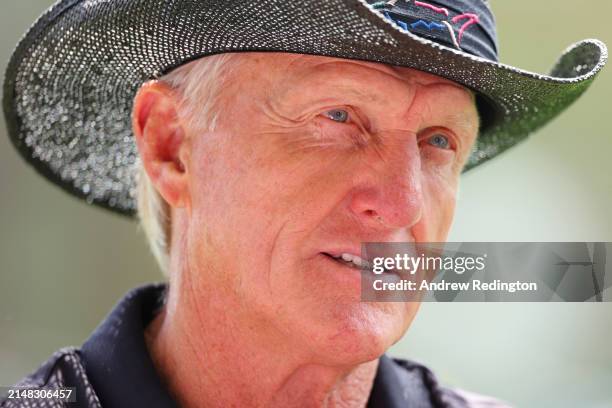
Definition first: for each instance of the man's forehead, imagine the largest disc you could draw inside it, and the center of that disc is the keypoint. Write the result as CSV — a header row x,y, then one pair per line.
x,y
302,65
320,78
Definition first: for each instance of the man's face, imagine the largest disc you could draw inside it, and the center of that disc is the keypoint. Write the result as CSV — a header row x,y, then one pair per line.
x,y
311,156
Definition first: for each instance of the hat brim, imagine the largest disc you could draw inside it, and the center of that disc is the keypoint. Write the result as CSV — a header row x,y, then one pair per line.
x,y
71,81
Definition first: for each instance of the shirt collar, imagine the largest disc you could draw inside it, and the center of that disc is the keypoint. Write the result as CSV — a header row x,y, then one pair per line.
x,y
116,357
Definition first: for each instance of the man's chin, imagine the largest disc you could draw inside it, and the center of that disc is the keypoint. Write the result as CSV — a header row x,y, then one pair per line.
x,y
354,351
359,338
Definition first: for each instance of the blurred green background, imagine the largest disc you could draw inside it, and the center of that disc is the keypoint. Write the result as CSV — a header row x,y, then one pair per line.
x,y
64,264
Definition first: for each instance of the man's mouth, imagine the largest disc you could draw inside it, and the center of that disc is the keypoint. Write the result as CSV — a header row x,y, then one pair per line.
x,y
354,261
350,260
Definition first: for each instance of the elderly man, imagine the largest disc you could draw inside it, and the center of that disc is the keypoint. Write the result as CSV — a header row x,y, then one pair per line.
x,y
259,176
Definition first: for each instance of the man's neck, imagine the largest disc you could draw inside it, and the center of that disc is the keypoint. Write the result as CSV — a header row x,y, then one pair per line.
x,y
204,361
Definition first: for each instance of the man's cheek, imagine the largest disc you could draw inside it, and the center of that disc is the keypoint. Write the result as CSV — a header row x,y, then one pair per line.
x,y
438,209
445,213
310,181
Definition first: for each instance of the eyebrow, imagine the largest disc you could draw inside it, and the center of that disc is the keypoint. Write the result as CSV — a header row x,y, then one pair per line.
x,y
464,122
360,93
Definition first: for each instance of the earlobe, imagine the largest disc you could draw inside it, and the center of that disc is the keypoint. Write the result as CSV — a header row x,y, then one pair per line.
x,y
161,141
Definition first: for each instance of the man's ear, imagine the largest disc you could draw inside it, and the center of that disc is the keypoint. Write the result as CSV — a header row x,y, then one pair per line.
x,y
161,141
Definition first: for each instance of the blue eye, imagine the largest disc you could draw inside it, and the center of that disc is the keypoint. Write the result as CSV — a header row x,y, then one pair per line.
x,y
337,115
439,140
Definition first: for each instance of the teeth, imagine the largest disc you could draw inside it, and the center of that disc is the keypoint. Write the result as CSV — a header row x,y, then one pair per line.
x,y
354,259
347,257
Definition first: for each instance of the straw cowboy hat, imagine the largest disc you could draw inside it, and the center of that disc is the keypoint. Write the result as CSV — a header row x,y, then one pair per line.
x,y
70,83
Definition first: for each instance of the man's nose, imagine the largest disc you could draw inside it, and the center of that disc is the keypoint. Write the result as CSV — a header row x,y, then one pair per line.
x,y
390,194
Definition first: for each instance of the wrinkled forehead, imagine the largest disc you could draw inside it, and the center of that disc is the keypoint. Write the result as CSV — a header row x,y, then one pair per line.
x,y
289,70
291,85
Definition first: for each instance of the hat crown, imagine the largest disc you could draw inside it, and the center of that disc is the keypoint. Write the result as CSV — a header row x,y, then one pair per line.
x,y
467,25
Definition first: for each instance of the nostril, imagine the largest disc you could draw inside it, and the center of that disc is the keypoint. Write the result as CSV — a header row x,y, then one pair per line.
x,y
373,214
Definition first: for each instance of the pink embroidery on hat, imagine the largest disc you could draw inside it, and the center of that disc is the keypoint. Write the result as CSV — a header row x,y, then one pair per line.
x,y
440,10
451,31
472,19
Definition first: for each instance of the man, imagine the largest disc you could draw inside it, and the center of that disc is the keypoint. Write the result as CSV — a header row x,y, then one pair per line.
x,y
260,175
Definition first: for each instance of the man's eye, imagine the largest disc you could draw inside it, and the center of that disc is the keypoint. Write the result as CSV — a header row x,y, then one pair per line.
x,y
337,115
439,140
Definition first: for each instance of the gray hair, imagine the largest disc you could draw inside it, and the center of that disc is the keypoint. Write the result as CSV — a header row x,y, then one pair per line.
x,y
198,84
